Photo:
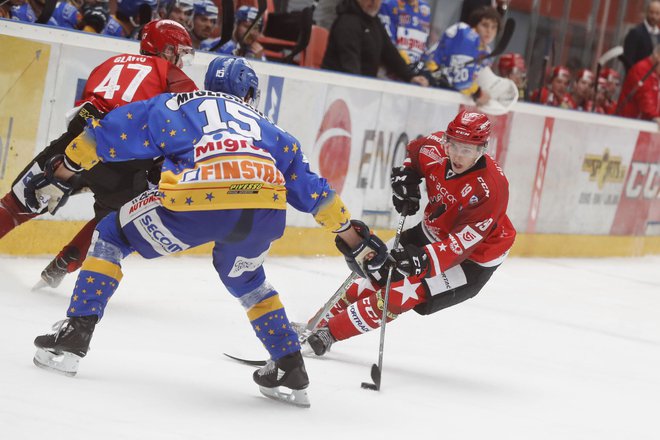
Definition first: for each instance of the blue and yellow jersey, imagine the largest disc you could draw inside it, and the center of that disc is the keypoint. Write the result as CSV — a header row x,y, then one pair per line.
x,y
65,15
408,25
458,45
219,153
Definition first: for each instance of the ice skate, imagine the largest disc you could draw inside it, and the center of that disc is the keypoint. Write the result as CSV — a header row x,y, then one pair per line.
x,y
61,350
320,341
284,380
54,273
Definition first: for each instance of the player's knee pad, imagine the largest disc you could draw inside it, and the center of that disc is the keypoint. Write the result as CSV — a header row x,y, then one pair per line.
x,y
255,296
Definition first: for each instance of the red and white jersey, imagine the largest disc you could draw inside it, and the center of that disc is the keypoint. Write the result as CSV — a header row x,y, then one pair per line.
x,y
466,214
128,78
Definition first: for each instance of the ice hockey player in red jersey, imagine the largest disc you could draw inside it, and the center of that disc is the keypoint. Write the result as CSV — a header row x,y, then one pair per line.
x,y
449,256
117,81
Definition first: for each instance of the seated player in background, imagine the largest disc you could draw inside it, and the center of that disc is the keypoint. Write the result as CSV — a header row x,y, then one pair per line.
x,y
512,66
460,44
556,92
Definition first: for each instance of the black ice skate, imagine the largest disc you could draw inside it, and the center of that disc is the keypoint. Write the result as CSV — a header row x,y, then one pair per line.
x,y
321,340
61,350
54,273
284,380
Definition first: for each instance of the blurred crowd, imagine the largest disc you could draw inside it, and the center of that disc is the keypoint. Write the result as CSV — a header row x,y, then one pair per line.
x,y
395,40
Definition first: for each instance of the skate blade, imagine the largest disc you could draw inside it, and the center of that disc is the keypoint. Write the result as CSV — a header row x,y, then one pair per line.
x,y
295,397
61,363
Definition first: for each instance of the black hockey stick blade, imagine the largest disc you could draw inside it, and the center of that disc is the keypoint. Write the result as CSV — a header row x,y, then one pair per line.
x,y
254,363
375,376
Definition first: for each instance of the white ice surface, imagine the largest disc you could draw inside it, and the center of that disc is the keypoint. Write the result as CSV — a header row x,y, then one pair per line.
x,y
551,349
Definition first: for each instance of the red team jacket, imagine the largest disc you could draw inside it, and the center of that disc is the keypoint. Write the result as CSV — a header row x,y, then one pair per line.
x,y
644,103
127,78
466,214
549,98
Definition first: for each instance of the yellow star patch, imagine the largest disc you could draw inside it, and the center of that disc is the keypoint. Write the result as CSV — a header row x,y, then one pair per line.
x,y
162,145
295,148
123,136
324,194
172,132
95,123
294,176
314,195
146,143
90,280
113,153
99,292
286,149
129,115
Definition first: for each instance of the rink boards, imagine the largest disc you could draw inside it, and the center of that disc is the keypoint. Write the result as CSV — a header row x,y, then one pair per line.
x,y
580,184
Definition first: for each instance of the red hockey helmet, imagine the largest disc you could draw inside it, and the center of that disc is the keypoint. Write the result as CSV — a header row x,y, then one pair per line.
x,y
610,75
560,72
166,37
469,128
510,62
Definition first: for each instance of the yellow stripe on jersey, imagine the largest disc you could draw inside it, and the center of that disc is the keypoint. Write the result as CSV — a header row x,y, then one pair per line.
x,y
266,306
103,267
332,214
225,195
82,151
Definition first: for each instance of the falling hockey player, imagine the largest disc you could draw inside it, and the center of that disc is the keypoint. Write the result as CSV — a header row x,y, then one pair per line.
x,y
227,177
446,259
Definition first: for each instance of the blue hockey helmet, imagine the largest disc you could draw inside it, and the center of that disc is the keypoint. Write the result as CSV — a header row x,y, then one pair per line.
x,y
247,14
234,76
131,8
207,8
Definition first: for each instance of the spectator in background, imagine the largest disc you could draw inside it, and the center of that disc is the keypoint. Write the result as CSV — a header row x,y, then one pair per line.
x,y
22,11
325,12
641,101
611,79
512,66
582,89
461,43
204,19
408,23
249,47
5,10
66,15
469,6
641,39
358,43
129,18
556,93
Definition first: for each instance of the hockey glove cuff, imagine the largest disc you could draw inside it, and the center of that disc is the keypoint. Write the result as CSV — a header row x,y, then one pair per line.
x,y
410,260
368,256
44,190
405,190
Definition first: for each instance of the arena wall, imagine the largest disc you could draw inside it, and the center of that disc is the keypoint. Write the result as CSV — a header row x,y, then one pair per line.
x,y
580,184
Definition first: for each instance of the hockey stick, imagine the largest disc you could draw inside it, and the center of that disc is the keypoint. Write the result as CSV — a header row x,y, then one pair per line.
x,y
314,321
377,370
547,59
614,52
227,24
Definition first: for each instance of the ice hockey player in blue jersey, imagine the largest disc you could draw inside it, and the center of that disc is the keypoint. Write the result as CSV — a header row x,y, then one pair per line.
x,y
461,43
227,176
408,23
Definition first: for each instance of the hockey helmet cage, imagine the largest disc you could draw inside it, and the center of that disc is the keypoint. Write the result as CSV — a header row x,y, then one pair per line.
x,y
234,76
161,36
470,128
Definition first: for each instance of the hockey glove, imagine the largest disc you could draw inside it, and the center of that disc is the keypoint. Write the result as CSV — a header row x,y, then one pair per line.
x,y
405,190
410,260
44,190
368,256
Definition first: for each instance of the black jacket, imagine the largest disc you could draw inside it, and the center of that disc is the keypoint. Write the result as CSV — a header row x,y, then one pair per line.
x,y
358,44
637,45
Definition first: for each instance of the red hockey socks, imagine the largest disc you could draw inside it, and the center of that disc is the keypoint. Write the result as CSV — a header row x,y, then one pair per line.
x,y
12,214
365,314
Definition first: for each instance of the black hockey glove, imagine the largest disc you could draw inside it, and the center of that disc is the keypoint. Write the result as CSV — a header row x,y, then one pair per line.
x,y
405,190
44,190
368,256
410,260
